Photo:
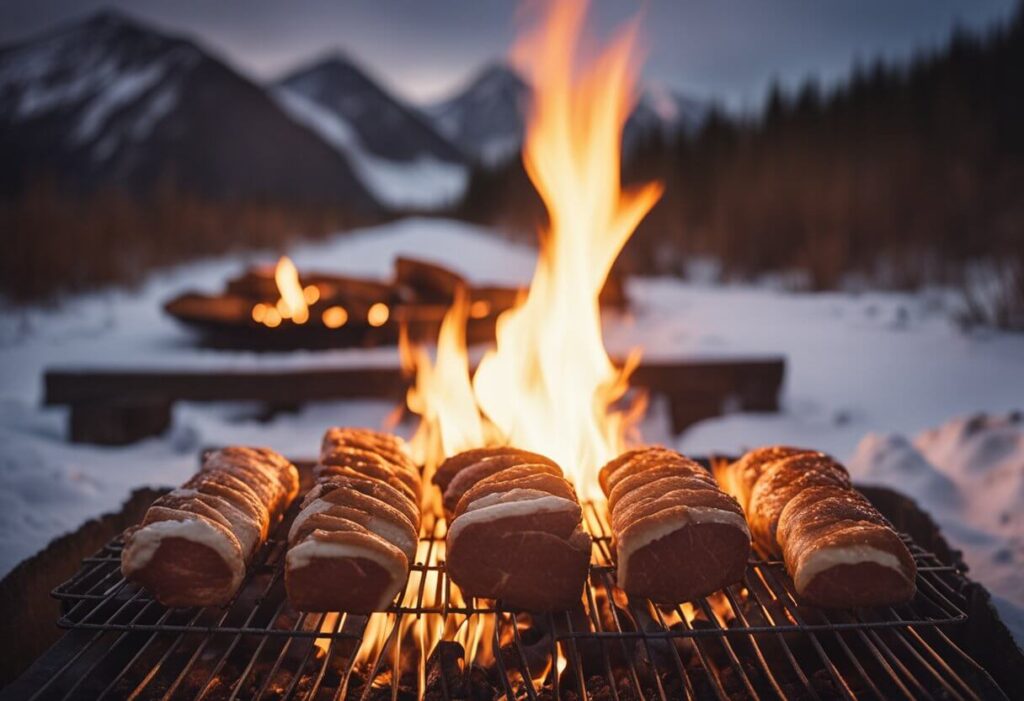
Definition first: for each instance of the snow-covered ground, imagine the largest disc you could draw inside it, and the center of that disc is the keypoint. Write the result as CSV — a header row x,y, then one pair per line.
x,y
883,381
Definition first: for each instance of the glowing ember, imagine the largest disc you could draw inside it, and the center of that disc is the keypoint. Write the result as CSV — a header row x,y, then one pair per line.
x,y
378,314
549,386
259,313
479,309
334,317
272,318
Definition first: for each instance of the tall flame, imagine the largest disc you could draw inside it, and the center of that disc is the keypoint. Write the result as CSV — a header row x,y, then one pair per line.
x,y
442,394
549,385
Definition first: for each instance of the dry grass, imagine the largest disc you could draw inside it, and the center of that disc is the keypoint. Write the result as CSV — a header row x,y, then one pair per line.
x,y
56,243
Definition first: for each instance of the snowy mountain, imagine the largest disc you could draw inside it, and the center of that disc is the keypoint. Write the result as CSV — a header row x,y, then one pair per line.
x,y
486,118
395,150
110,102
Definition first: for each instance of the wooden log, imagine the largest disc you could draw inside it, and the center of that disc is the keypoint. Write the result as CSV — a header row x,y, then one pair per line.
x,y
429,282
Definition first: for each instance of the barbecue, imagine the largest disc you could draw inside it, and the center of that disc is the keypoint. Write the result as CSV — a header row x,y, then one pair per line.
x,y
525,542
749,640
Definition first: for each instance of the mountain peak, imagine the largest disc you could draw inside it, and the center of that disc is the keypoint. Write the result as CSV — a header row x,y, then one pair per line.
x,y
109,101
334,61
497,71
383,124
487,116
109,17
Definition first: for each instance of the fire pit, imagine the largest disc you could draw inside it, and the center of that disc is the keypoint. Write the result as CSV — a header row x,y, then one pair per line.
x,y
277,309
752,640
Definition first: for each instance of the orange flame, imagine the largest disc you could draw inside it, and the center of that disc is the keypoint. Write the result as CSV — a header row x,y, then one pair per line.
x,y
442,394
292,304
294,300
549,386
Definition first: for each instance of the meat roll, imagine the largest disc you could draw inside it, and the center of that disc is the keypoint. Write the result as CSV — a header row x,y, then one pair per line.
x,y
515,531
676,535
194,544
838,549
351,545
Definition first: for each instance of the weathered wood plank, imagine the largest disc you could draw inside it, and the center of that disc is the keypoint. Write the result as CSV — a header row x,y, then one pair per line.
x,y
119,406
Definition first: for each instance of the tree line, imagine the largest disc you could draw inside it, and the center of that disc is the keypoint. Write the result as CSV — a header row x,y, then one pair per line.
x,y
902,175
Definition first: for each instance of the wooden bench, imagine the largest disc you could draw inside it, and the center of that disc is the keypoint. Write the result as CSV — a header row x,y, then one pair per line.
x,y
116,407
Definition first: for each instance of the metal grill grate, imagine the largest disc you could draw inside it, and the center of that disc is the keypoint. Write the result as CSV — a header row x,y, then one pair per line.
x,y
753,640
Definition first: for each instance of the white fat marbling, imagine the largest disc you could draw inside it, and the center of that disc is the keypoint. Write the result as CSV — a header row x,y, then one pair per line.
x,y
145,541
634,541
311,549
387,530
505,497
522,507
824,558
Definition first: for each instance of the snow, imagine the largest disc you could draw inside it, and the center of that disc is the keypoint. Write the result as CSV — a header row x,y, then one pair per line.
x,y
120,91
425,182
159,106
969,474
884,381
94,79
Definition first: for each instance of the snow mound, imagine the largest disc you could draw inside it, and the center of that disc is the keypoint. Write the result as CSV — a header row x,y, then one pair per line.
x,y
969,474
981,444
891,460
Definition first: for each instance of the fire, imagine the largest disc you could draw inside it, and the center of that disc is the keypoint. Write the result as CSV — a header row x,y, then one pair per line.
x,y
377,314
334,317
549,385
294,300
442,394
292,304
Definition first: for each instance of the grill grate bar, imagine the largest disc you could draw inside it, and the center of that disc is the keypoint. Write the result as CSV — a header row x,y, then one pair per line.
x,y
155,669
279,659
713,618
677,660
913,650
919,692
599,627
754,639
766,669
789,603
131,663
108,654
754,586
500,662
253,658
76,657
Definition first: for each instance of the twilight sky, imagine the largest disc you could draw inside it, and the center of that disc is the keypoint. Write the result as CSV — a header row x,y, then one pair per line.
x,y
726,49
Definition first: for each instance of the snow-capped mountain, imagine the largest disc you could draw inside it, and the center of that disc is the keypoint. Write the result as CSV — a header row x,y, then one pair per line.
x,y
486,118
394,148
111,102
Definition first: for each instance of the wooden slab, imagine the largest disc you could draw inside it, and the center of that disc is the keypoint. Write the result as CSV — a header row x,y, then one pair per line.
x,y
114,407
